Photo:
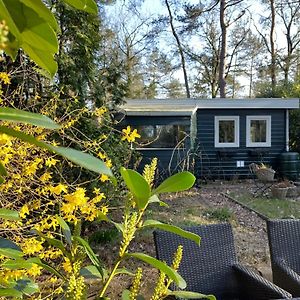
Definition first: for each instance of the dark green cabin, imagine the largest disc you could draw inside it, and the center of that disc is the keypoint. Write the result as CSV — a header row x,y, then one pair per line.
x,y
215,139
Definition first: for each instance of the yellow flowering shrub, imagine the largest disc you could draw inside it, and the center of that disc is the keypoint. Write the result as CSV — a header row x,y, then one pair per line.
x,y
41,185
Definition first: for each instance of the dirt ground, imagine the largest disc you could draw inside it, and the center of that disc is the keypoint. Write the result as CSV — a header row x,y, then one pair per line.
x,y
189,209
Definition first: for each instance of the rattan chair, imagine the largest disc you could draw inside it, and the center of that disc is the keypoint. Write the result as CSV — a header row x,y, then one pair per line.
x,y
212,268
284,242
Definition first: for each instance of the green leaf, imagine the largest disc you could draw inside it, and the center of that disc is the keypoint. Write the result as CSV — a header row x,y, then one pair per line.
x,y
42,58
17,115
25,285
27,264
50,269
56,243
14,264
119,226
42,11
5,14
126,295
91,254
65,229
86,5
10,249
155,199
174,229
10,292
92,272
2,180
82,159
34,35
124,271
163,267
21,263
138,186
190,295
8,214
3,171
176,183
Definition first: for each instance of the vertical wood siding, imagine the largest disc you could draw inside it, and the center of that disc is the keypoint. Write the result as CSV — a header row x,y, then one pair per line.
x,y
210,164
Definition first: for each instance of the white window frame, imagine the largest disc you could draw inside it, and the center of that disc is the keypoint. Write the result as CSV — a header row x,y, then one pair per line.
x,y
236,142
268,120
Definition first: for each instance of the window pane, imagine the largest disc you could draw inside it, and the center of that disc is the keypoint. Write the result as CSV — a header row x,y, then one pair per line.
x,y
226,131
258,131
160,136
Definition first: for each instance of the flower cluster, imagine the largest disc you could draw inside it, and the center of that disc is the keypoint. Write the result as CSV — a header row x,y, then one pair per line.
x,y
129,135
36,187
77,205
3,35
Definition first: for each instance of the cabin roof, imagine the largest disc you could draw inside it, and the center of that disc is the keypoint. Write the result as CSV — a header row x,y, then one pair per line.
x,y
185,107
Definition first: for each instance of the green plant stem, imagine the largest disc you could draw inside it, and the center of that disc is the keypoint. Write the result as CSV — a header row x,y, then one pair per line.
x,y
112,274
77,229
109,279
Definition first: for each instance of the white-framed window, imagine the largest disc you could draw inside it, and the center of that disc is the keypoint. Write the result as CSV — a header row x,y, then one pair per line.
x,y
227,131
258,131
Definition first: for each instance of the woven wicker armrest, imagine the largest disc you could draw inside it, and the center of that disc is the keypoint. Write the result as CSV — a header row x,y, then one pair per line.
x,y
253,286
286,277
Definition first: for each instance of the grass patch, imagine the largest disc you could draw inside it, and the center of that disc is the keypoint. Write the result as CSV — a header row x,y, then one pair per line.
x,y
222,214
104,236
271,207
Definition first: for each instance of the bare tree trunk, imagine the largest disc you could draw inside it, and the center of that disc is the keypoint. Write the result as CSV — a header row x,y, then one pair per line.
x,y
272,47
180,49
222,82
251,77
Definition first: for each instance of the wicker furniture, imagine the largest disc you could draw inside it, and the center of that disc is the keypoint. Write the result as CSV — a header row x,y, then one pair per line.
x,y
212,268
284,242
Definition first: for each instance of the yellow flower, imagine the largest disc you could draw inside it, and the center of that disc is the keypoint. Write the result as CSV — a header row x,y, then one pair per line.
x,y
104,210
57,190
24,211
134,135
102,155
35,270
98,198
126,133
3,35
67,266
96,191
77,198
31,169
45,177
68,208
53,279
103,178
5,140
108,163
59,290
100,111
31,246
51,162
130,136
5,78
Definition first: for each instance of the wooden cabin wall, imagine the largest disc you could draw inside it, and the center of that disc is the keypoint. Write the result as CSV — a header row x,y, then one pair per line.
x,y
210,164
